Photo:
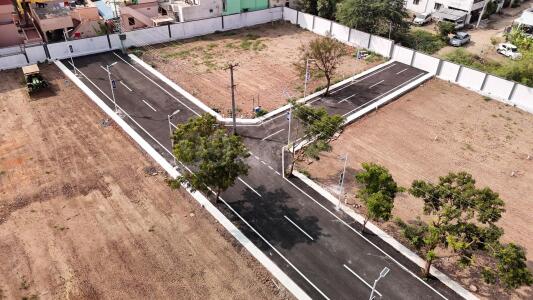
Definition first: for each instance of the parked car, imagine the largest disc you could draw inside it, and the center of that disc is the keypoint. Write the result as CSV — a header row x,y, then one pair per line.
x,y
422,19
459,39
509,50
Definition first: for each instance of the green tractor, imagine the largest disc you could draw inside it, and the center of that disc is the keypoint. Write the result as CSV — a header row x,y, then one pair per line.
x,y
34,80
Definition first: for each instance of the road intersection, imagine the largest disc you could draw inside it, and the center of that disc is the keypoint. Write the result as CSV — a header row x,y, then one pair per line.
x,y
320,248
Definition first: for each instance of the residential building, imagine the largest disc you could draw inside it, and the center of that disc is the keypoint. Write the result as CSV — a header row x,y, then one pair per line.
x,y
472,8
8,28
52,19
189,10
238,6
143,13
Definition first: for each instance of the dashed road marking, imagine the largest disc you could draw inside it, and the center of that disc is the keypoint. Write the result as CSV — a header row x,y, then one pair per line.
x,y
148,104
123,84
375,84
360,278
402,71
273,134
246,184
299,228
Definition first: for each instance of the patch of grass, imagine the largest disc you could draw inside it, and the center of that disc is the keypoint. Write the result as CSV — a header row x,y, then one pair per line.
x,y
24,284
246,44
252,42
251,36
487,99
306,173
2,172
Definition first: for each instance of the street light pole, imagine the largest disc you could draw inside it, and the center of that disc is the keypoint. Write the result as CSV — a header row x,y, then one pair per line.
x,y
69,51
170,131
382,274
307,74
111,85
342,182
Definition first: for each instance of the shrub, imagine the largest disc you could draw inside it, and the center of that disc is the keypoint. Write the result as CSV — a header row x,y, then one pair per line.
x,y
424,41
445,28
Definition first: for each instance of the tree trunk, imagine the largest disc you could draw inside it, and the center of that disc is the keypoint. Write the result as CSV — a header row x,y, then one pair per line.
x,y
364,225
328,84
427,267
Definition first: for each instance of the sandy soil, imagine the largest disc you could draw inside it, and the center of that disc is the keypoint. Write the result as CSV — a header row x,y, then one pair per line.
x,y
433,130
265,55
83,216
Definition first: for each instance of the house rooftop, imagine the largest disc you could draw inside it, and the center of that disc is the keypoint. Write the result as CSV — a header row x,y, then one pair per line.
x,y
50,11
450,14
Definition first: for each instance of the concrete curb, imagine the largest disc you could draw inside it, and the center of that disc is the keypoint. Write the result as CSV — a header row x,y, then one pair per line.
x,y
289,284
455,286
255,121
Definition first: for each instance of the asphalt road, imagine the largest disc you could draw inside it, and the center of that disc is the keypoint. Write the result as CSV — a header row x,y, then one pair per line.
x,y
319,247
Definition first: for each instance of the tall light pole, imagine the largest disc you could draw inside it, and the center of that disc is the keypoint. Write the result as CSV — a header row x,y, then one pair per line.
x,y
70,50
382,274
111,85
170,130
231,67
345,158
307,74
118,23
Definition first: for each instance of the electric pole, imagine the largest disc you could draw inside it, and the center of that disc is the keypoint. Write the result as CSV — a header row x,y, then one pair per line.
x,y
231,67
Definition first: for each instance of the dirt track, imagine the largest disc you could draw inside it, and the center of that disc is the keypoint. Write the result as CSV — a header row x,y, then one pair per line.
x,y
82,215
436,129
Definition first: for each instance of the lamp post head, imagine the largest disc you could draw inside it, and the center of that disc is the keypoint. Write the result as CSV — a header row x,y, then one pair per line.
x,y
384,272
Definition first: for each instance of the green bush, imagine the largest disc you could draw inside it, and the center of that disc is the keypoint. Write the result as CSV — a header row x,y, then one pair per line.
x,y
445,28
517,37
424,41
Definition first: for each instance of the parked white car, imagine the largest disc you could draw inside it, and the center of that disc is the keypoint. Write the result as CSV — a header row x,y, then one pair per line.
x,y
509,50
422,19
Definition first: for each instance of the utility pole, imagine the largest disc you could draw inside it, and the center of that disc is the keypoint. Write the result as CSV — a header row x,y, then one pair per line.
x,y
482,12
118,23
231,67
342,182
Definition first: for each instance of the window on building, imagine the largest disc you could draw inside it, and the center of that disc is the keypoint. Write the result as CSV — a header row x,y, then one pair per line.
x,y
437,6
416,2
131,21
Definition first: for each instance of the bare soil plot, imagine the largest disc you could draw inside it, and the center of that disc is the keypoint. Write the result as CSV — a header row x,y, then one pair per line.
x,y
431,131
83,214
265,54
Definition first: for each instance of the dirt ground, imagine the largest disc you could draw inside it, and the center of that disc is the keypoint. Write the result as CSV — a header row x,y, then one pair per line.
x,y
265,54
431,131
82,215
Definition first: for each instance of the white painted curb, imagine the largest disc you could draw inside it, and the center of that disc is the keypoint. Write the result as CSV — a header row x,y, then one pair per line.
x,y
388,239
289,284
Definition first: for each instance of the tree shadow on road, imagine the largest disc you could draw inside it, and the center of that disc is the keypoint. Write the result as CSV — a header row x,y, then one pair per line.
x,y
270,215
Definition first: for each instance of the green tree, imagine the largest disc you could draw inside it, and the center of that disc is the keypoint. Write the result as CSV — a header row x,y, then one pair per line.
x,y
445,28
216,158
376,17
463,221
378,192
319,128
508,267
308,6
326,9
324,55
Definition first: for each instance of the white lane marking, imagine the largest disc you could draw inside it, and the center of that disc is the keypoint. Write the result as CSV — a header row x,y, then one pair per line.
x,y
366,77
402,71
105,70
155,83
270,167
123,84
257,157
364,238
271,135
277,172
360,278
275,250
375,84
395,88
264,163
175,127
303,231
349,97
246,184
149,105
